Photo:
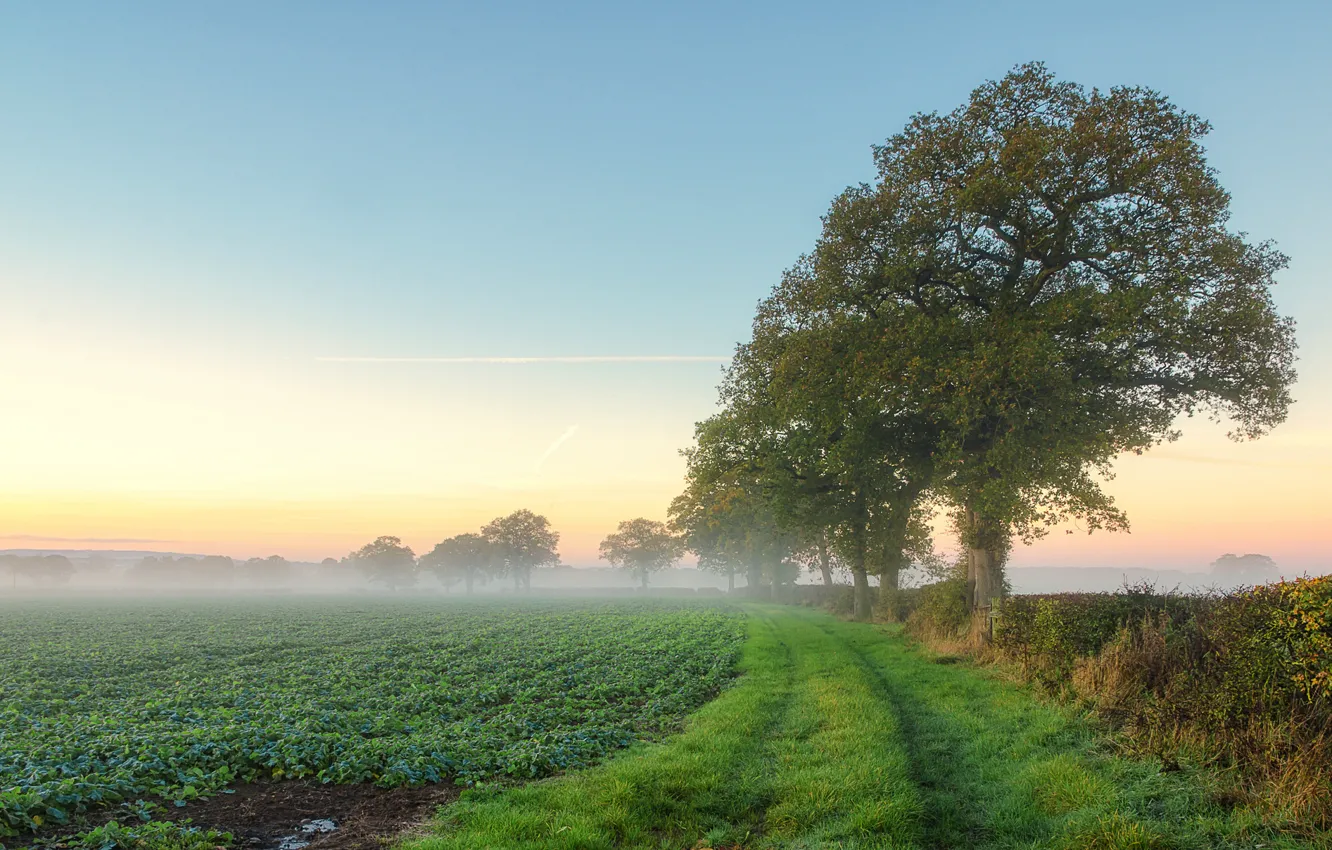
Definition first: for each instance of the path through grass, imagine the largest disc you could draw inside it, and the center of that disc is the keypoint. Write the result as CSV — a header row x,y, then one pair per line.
x,y
839,735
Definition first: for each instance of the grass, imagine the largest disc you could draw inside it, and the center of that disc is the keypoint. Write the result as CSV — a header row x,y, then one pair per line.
x,y
841,735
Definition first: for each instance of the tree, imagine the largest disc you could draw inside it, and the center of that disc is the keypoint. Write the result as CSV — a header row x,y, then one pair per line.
x,y
466,556
723,514
818,555
642,546
272,570
1058,265
387,562
840,451
523,541
46,569
1245,569
152,569
217,570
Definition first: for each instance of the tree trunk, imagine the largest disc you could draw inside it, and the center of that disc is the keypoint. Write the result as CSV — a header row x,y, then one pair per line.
x,y
984,560
860,594
825,562
890,571
643,574
527,580
730,581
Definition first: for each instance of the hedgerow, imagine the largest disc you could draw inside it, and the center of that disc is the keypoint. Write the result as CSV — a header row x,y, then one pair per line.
x,y
1242,680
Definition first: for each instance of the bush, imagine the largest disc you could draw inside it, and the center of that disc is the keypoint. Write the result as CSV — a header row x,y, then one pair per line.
x,y
942,611
1049,633
1246,677
840,600
895,604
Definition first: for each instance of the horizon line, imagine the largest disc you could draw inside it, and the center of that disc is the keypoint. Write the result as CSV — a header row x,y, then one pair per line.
x,y
612,358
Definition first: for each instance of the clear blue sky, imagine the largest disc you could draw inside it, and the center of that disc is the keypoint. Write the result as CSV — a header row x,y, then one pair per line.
x,y
245,186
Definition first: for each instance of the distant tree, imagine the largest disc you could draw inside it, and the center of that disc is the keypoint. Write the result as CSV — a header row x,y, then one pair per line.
x,y
642,546
56,569
1245,569
724,514
217,570
523,541
41,569
466,557
153,570
817,555
95,564
328,562
387,562
272,570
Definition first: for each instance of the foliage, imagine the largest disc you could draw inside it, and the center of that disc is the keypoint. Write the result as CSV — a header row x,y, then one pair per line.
x,y
102,704
271,570
1050,632
42,569
1248,569
642,546
1242,679
468,557
387,561
1037,282
523,541
154,835
723,514
1302,624
943,609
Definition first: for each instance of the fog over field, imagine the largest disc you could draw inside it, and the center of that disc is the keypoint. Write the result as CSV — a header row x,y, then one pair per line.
x,y
80,572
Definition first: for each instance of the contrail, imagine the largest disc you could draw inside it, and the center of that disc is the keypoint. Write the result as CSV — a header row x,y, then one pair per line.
x,y
665,358
559,441
44,539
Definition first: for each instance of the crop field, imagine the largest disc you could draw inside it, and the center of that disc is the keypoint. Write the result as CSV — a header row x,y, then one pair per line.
x,y
155,703
822,733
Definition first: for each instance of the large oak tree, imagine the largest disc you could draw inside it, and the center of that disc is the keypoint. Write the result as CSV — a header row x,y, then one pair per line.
x,y
1058,264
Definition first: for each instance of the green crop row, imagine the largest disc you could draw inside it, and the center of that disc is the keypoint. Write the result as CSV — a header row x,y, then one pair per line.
x,y
103,704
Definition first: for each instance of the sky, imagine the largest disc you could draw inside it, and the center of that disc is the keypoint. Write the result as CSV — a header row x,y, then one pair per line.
x,y
284,277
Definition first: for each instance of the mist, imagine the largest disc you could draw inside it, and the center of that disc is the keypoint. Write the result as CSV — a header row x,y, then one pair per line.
x,y
79,572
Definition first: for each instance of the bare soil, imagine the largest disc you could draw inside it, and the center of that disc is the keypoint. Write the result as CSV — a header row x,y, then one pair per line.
x,y
260,816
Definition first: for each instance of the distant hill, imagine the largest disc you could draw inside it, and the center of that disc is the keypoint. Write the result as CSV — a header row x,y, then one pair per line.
x,y
109,554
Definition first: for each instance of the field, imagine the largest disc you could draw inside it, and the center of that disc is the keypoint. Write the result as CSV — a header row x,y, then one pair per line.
x,y
834,734
165,701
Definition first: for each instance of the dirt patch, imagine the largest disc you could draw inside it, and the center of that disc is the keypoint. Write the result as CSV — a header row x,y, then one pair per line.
x,y
262,816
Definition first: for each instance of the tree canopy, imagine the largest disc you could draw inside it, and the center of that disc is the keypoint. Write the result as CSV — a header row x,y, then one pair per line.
x,y
466,557
1036,282
642,546
386,561
523,541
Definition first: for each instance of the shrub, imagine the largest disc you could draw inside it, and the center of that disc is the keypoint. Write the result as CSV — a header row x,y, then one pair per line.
x,y
895,604
943,611
1244,679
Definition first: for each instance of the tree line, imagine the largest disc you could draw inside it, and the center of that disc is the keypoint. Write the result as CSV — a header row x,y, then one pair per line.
x,y
509,547
1035,283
